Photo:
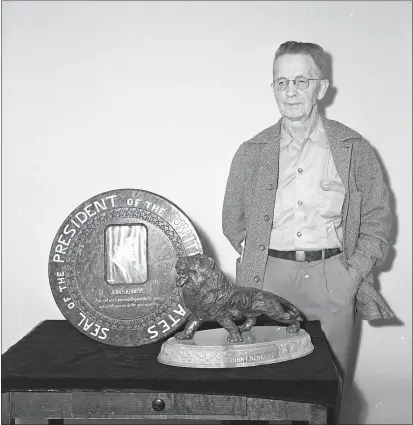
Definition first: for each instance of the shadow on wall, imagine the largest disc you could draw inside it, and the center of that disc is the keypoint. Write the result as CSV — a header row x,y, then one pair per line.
x,y
323,105
354,406
207,244
331,93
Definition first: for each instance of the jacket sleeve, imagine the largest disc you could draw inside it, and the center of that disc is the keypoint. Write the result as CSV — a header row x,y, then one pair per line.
x,y
233,211
375,221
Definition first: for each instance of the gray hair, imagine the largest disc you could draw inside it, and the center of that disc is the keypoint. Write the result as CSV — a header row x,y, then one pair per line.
x,y
296,47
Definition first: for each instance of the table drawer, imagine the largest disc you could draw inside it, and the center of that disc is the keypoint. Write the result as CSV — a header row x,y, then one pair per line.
x,y
204,404
114,404
90,404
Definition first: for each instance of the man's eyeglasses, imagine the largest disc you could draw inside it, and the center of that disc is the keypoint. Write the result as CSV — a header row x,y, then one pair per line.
x,y
301,83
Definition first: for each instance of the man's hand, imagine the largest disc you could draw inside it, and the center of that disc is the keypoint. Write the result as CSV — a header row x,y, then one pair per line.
x,y
334,185
355,274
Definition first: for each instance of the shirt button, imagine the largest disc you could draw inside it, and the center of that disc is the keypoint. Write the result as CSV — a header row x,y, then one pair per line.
x,y
262,247
300,202
300,170
299,234
270,187
257,278
266,217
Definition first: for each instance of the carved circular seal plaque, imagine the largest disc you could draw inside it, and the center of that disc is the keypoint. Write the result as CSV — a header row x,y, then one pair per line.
x,y
112,267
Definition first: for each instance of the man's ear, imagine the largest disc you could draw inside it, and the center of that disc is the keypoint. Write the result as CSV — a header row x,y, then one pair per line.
x,y
323,89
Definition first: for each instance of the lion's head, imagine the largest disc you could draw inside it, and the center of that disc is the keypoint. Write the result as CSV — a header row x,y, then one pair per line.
x,y
199,273
194,269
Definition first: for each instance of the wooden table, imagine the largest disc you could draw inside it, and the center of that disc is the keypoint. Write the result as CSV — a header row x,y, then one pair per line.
x,y
57,373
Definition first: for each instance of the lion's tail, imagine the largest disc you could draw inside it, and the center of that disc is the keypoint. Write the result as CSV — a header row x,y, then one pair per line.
x,y
293,311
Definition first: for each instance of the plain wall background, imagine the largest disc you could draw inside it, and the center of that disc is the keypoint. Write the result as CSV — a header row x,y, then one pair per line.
x,y
158,96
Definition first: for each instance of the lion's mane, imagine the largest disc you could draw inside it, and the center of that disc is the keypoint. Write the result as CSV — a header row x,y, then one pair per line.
x,y
208,288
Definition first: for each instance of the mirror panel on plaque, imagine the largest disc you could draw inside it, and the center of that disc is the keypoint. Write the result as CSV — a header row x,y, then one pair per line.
x,y
112,266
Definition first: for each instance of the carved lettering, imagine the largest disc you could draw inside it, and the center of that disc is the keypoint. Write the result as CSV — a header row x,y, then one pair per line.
x,y
88,212
169,322
166,327
103,335
79,219
134,202
154,333
173,320
82,217
71,232
63,241
97,330
181,310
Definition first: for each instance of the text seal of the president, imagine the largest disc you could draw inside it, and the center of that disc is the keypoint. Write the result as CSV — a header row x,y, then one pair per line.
x,y
112,267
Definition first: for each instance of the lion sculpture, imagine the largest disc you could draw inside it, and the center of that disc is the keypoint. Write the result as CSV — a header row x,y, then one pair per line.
x,y
210,296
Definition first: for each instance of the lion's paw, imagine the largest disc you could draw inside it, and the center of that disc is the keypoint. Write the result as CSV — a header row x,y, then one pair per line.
x,y
235,337
294,328
182,335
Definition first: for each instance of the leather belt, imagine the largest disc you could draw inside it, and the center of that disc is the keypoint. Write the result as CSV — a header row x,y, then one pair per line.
x,y
304,255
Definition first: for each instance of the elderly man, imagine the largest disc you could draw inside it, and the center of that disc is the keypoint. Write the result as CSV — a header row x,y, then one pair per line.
x,y
306,206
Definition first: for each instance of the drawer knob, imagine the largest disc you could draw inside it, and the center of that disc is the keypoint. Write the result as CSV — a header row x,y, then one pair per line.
x,y
158,404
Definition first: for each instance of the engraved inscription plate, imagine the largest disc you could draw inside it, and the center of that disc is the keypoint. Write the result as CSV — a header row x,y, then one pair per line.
x,y
112,266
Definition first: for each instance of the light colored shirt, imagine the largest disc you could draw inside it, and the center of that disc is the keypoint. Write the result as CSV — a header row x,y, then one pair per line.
x,y
306,217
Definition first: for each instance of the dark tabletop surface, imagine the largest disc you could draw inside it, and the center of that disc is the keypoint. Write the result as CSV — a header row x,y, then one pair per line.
x,y
56,356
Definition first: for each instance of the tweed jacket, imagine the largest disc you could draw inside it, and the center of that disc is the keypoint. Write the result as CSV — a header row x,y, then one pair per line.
x,y
250,197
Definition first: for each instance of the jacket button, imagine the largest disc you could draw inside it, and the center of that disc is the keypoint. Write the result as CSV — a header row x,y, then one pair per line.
x,y
266,217
262,247
300,170
270,187
257,278
299,234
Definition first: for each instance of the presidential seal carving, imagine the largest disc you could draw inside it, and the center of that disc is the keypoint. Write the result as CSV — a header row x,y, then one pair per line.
x,y
112,267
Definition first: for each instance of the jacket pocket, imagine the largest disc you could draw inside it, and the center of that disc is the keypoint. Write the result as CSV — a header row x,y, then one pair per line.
x,y
348,283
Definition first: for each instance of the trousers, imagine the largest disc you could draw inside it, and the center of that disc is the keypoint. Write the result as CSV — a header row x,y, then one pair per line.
x,y
321,290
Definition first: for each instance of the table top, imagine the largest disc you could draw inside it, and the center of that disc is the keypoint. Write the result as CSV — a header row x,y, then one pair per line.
x,y
56,356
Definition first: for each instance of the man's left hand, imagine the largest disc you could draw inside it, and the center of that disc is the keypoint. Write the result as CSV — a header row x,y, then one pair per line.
x,y
355,274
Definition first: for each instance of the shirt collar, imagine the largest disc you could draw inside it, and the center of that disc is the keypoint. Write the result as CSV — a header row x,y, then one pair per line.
x,y
318,136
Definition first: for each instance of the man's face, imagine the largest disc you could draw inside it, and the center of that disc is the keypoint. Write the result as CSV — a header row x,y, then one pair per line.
x,y
128,251
297,104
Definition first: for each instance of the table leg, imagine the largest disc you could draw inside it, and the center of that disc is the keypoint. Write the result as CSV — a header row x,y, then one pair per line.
x,y
5,409
246,422
318,414
55,421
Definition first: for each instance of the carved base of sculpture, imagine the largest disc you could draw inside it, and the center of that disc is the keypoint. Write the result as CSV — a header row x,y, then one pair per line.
x,y
261,345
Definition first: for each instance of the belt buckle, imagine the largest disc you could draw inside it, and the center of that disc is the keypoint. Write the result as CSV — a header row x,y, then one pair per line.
x,y
299,255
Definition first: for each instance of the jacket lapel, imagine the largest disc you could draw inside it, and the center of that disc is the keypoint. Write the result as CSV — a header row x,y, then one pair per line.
x,y
341,149
271,153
